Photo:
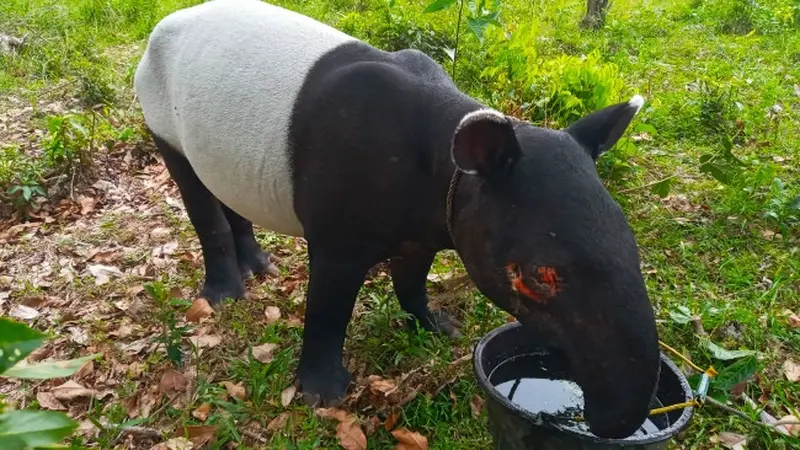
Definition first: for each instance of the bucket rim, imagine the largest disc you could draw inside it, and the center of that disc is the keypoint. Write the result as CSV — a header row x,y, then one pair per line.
x,y
542,419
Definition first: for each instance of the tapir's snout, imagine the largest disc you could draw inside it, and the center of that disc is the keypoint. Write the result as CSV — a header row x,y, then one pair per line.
x,y
618,389
615,358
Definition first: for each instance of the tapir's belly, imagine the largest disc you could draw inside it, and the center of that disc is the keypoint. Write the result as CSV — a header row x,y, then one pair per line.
x,y
219,82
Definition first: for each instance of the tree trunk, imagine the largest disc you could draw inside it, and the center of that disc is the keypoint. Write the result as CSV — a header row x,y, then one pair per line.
x,y
595,14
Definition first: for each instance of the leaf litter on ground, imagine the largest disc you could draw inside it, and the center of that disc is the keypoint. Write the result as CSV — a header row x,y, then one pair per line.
x,y
287,395
235,390
172,383
264,353
71,390
272,314
409,440
199,310
348,431
201,412
792,370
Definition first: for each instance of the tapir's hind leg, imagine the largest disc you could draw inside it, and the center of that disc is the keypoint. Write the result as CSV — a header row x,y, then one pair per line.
x,y
251,259
409,273
223,277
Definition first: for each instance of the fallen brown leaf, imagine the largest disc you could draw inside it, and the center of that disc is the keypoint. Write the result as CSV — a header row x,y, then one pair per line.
x,y
102,273
379,385
792,319
236,390
172,382
792,370
207,341
123,331
476,405
86,369
160,232
148,401
200,435
350,435
391,421
87,429
788,425
71,390
409,440
131,405
263,353
33,301
40,354
334,413
287,395
23,312
49,401
199,310
104,256
87,204
372,425
272,314
202,411
278,422
78,335
180,443
732,441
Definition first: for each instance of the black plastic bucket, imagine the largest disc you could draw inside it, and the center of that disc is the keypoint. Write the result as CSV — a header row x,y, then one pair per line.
x,y
515,428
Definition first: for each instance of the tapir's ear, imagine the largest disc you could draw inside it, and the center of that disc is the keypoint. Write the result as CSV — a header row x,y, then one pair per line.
x,y
600,130
484,143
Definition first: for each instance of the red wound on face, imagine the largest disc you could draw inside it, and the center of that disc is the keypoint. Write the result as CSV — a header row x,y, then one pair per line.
x,y
545,285
518,284
548,276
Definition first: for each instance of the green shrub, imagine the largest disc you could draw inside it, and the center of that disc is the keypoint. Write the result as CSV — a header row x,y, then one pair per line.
x,y
395,29
746,16
29,428
21,177
554,90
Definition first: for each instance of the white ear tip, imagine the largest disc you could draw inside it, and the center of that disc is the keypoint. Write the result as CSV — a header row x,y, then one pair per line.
x,y
637,101
482,114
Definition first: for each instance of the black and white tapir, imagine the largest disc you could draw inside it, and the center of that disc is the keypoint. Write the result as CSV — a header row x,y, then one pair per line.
x,y
264,116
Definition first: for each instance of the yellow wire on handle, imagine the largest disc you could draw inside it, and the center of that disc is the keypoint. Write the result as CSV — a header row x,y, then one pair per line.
x,y
693,403
710,371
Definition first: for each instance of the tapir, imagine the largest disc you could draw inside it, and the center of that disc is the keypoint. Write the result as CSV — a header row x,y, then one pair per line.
x,y
265,116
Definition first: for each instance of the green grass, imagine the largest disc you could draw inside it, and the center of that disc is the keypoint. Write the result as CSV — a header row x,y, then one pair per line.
x,y
712,72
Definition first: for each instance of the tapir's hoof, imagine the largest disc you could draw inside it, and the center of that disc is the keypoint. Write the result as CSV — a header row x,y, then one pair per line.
x,y
441,322
216,294
324,388
258,263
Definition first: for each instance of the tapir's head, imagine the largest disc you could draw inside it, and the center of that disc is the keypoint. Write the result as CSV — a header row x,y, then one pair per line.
x,y
543,239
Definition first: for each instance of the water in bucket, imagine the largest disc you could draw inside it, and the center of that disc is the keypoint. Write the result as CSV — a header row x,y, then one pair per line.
x,y
539,383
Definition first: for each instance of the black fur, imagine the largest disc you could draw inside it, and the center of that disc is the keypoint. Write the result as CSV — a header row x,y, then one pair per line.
x,y
371,136
373,139
366,132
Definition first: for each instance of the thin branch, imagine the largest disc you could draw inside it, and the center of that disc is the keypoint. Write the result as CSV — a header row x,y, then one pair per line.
x,y
458,36
253,435
645,186
731,410
57,87
139,432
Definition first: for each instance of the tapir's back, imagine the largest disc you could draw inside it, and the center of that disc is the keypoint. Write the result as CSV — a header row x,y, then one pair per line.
x,y
218,82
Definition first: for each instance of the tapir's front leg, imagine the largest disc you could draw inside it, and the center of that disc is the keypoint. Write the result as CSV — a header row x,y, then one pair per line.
x,y
409,273
335,278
